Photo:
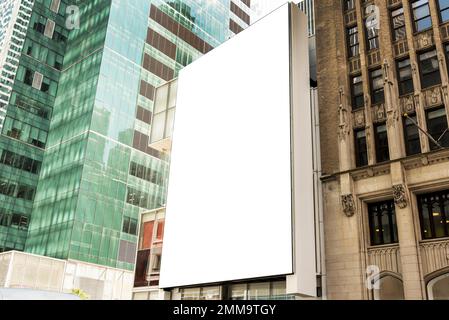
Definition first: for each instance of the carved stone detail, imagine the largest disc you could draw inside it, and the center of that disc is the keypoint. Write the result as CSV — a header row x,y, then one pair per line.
x,y
379,113
424,39
414,68
367,99
400,196
445,92
343,126
435,256
392,118
433,97
407,104
347,202
369,143
359,118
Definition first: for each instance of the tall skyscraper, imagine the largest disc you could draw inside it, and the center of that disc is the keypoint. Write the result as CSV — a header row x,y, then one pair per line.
x,y
14,18
76,169
384,108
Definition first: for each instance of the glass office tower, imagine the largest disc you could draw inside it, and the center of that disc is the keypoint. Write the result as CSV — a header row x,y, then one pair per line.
x,y
76,168
33,44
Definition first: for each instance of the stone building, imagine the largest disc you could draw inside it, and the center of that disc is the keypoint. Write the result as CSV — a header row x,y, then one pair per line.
x,y
384,107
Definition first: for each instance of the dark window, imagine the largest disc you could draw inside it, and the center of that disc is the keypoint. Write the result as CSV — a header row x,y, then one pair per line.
x,y
372,37
377,86
405,79
7,189
361,153
145,173
443,6
353,41
39,27
10,219
140,171
29,76
58,62
25,192
434,214
381,137
133,227
411,135
398,24
45,87
129,226
357,92
14,133
429,69
348,4
140,279
133,169
382,223
140,199
19,162
125,227
421,15
29,47
23,224
437,127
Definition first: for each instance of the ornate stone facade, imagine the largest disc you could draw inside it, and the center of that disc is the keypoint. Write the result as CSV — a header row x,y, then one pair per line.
x,y
413,259
347,202
400,196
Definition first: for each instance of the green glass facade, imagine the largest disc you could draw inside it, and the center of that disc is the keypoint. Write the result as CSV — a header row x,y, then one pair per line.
x,y
76,170
26,124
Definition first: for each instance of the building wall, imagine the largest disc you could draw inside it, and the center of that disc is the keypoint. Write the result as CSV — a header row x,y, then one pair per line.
x,y
352,255
22,270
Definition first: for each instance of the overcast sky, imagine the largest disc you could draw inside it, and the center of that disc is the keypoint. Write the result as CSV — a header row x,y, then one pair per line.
x,y
263,7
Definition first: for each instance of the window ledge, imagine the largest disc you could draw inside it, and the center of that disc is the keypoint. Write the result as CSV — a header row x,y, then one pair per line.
x,y
435,240
383,246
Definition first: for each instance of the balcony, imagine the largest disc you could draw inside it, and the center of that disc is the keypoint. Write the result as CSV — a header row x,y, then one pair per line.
x,y
434,255
386,258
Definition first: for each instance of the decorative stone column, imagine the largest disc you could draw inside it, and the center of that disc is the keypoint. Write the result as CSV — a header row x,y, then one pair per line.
x,y
411,273
396,147
344,132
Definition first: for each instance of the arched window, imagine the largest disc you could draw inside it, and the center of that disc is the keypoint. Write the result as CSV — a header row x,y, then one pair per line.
x,y
390,287
438,288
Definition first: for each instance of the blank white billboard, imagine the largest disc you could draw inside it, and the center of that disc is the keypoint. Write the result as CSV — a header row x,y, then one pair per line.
x,y
229,206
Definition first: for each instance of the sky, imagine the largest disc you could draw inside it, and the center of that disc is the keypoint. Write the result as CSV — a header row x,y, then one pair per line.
x,y
263,7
